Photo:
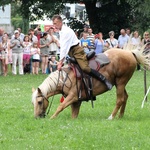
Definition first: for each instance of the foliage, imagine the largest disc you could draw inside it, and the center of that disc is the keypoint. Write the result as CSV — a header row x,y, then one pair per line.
x,y
110,15
91,130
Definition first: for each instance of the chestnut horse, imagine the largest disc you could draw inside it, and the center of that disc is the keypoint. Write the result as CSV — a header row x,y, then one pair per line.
x,y
119,71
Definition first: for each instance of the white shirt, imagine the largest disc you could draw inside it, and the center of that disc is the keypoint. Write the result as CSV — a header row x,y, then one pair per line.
x,y
67,39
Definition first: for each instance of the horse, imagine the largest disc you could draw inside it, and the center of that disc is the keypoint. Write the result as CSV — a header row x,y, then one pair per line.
x,y
118,72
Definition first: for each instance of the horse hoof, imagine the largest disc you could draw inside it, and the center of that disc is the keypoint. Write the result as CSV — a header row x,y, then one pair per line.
x,y
110,117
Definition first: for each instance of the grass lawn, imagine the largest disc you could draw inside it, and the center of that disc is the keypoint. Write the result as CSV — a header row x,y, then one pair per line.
x,y
19,130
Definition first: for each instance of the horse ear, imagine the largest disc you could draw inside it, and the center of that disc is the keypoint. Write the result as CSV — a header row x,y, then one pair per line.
x,y
33,89
39,90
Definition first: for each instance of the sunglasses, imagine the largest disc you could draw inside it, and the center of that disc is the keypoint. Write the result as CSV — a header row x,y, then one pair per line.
x,y
146,35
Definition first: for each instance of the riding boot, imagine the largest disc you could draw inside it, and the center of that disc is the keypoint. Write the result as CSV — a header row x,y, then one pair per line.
x,y
100,77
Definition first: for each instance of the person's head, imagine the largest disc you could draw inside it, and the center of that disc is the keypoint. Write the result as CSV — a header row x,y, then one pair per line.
x,y
31,31
19,29
90,30
57,22
85,34
100,35
111,34
128,32
86,27
16,33
1,31
136,34
4,39
35,44
44,35
146,35
53,58
122,32
6,35
51,30
26,38
30,37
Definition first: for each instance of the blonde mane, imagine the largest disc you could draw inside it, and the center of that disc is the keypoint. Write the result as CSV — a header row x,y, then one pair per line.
x,y
50,83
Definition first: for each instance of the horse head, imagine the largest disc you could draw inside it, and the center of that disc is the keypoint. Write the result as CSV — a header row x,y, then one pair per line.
x,y
40,103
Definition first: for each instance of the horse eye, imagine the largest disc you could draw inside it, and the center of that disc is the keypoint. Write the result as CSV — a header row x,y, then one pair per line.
x,y
40,102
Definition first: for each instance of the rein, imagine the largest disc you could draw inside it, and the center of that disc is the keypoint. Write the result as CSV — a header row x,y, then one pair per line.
x,y
53,96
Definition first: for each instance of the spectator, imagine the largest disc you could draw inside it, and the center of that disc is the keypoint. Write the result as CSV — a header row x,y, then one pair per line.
x,y
85,43
111,40
146,40
1,35
5,47
128,32
21,35
53,64
91,38
35,52
34,38
44,48
123,38
54,42
26,50
100,43
136,41
17,53
85,30
10,50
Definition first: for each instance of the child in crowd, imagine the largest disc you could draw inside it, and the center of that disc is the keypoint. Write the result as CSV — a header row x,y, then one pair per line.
x,y
35,52
26,50
53,64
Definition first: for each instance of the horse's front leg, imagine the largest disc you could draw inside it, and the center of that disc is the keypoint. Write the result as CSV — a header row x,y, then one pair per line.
x,y
67,101
75,107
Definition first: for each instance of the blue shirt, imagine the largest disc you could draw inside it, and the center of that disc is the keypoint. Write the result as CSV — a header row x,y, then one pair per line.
x,y
99,46
85,42
122,40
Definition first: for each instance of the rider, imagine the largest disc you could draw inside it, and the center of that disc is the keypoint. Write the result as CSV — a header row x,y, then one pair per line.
x,y
69,44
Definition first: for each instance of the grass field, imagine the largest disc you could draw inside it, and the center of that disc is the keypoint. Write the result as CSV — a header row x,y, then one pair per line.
x,y
90,131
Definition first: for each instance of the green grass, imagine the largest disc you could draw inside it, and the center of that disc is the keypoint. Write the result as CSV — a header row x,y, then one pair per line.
x,y
19,130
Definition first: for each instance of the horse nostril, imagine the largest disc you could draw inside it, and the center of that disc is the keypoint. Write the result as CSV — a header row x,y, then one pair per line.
x,y
40,102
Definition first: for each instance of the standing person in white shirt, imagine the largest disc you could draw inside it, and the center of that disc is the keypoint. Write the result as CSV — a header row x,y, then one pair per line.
x,y
111,40
69,45
123,38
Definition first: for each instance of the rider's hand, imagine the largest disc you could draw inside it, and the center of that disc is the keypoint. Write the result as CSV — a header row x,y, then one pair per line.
x,y
59,65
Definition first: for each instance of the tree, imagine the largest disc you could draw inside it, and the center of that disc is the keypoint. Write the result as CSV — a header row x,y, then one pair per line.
x,y
108,15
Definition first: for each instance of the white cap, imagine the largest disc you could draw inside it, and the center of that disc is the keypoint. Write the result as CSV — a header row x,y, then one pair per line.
x,y
16,31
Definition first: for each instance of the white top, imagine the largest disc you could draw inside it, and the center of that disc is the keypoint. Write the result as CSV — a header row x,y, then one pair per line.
x,y
112,42
67,39
35,53
136,41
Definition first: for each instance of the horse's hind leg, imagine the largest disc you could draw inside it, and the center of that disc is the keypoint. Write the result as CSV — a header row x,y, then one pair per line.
x,y
122,109
119,102
75,109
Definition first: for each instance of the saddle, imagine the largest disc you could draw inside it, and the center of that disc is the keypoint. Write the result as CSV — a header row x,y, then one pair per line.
x,y
95,62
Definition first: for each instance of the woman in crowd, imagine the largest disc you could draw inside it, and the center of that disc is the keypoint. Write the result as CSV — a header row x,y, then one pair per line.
x,y
4,54
100,43
35,53
44,48
111,40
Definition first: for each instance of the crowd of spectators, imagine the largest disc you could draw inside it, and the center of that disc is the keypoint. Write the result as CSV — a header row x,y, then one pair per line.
x,y
40,50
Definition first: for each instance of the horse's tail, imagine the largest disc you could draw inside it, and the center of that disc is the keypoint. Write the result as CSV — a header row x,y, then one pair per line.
x,y
141,57
139,53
